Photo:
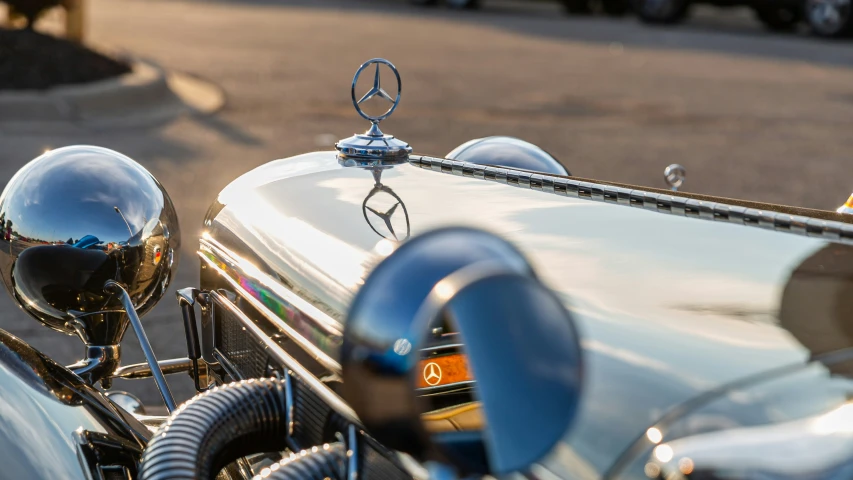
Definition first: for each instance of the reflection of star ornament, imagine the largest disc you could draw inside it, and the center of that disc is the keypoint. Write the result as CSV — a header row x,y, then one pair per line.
x,y
386,217
376,90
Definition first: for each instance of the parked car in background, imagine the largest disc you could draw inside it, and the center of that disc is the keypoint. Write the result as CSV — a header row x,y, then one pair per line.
x,y
829,18
614,8
826,18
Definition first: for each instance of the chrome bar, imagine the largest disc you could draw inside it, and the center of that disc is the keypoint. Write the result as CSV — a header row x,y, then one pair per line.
x,y
142,370
151,420
186,299
352,453
448,346
288,401
114,287
99,361
449,386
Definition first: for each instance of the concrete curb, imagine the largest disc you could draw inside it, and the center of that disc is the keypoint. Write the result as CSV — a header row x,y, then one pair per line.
x,y
146,95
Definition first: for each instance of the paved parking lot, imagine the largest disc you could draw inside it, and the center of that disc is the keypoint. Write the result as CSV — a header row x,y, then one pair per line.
x,y
750,114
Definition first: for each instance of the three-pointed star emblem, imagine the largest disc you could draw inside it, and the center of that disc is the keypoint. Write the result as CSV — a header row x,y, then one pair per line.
x,y
376,90
432,373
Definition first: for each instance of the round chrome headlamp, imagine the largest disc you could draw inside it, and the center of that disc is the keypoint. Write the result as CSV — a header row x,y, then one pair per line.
x,y
76,217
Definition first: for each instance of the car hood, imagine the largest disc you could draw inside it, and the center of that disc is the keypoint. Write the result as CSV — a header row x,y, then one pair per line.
x,y
668,307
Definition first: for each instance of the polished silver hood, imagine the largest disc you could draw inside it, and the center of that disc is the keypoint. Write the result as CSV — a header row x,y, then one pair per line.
x,y
668,306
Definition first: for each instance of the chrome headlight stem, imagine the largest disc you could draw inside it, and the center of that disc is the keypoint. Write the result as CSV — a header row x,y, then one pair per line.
x,y
115,288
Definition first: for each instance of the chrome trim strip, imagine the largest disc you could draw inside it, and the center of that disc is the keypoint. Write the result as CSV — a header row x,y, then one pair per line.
x,y
671,204
325,393
322,320
449,386
442,347
296,302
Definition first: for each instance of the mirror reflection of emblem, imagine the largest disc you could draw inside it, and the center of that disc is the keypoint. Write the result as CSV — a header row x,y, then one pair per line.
x,y
432,373
387,215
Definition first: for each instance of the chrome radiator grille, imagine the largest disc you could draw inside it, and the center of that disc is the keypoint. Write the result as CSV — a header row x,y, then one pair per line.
x,y
311,416
243,355
246,356
376,466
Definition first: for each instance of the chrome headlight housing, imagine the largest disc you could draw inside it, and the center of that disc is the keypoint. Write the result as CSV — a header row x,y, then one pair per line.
x,y
76,217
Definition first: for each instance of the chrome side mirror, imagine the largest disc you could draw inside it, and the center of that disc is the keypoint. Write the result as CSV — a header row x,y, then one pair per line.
x,y
89,239
519,345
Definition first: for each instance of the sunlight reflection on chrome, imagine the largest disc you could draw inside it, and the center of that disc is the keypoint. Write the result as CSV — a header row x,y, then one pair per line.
x,y
654,435
385,247
311,249
251,277
817,447
652,470
315,331
839,420
663,453
685,465
444,290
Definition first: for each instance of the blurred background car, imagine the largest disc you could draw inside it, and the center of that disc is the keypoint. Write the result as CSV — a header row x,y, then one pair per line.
x,y
615,8
826,18
829,18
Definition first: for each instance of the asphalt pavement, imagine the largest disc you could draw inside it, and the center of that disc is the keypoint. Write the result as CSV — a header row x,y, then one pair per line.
x,y
749,114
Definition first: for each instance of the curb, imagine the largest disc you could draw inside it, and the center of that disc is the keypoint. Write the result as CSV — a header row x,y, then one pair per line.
x,y
146,95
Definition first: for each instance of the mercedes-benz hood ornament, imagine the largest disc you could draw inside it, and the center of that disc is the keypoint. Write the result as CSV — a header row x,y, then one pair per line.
x,y
374,147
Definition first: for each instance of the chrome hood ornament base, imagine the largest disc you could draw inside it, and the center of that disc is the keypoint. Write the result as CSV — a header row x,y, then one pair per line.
x,y
373,147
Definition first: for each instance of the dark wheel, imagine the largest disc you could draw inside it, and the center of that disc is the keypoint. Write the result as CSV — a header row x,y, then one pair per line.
x,y
661,11
778,19
577,7
615,8
829,18
462,4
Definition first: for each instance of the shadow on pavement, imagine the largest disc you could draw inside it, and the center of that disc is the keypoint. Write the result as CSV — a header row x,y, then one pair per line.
x,y
227,130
